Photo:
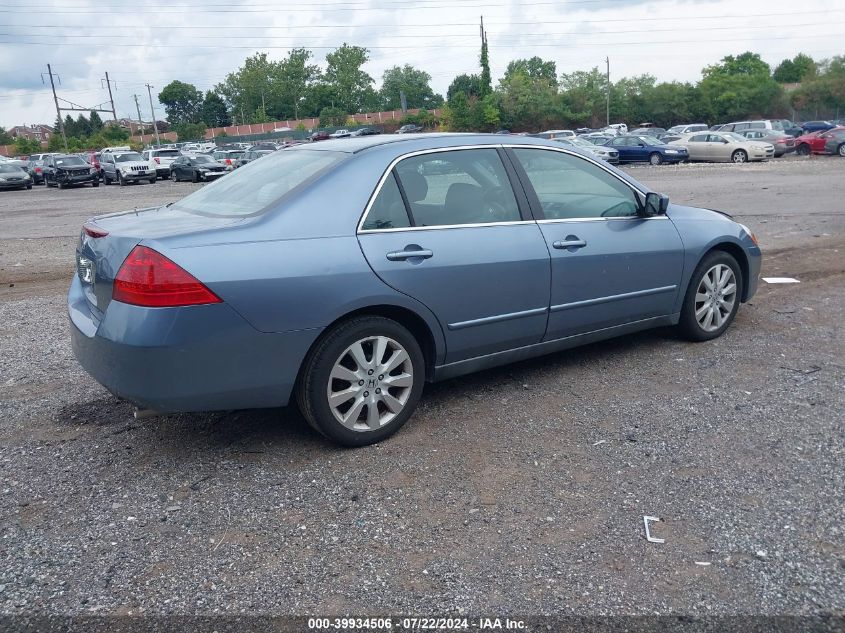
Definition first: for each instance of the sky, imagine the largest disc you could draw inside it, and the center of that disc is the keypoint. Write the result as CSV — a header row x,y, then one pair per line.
x,y
200,41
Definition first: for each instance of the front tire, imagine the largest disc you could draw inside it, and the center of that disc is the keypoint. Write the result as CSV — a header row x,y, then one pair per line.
x,y
362,381
712,298
803,150
95,183
739,156
121,180
195,177
841,150
655,159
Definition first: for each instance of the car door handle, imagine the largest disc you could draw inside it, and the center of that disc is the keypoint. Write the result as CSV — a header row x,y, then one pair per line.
x,y
397,256
569,243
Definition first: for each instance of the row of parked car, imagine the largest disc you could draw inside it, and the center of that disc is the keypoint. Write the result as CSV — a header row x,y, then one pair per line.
x,y
122,165
737,142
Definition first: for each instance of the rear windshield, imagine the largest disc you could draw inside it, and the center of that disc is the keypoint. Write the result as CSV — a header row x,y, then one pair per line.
x,y
253,188
167,152
203,159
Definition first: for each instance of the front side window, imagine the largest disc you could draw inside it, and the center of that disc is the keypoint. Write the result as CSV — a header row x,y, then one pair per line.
x,y
569,187
458,187
388,210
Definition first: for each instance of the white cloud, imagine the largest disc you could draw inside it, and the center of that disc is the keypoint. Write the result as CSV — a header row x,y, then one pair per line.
x,y
200,42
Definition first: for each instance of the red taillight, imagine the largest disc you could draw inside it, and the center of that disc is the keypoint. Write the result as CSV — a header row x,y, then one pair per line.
x,y
148,278
92,230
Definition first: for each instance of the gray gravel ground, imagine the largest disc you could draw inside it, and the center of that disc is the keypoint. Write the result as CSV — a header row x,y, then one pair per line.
x,y
519,490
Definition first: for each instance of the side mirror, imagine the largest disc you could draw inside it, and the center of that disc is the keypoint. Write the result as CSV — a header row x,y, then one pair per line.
x,y
655,204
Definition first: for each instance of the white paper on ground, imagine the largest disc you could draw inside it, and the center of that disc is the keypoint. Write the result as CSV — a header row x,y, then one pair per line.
x,y
781,280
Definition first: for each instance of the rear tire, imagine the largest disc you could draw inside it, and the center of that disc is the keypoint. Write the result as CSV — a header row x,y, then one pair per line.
x,y
195,177
380,407
701,299
29,186
152,181
655,158
841,150
95,183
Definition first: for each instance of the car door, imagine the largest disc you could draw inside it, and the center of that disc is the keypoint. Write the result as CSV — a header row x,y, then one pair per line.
x,y
718,148
47,170
638,149
448,229
610,266
620,144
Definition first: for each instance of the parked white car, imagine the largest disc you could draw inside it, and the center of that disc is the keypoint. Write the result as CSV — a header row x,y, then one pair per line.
x,y
163,159
340,134
125,167
688,128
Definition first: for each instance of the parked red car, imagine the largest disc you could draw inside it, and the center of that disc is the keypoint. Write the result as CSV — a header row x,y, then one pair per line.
x,y
813,143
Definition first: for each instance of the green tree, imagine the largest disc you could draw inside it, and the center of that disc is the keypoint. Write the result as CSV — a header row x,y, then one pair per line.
x,y
534,68
527,103
259,116
189,131
583,97
485,82
297,79
351,85
214,113
795,70
95,122
739,87
5,138
470,85
414,83
182,102
253,86
332,117
25,146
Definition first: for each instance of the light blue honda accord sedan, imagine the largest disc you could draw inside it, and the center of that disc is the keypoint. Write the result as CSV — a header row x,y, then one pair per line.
x,y
348,273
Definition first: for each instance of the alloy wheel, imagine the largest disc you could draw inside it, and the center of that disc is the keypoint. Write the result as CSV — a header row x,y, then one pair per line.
x,y
739,157
370,383
715,297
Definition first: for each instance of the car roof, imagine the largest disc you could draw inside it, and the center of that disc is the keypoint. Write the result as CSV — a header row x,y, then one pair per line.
x,y
413,142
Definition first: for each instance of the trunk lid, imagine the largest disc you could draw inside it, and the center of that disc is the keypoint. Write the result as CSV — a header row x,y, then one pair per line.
x,y
98,259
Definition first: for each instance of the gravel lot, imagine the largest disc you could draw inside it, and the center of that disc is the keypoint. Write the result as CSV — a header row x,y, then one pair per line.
x,y
520,490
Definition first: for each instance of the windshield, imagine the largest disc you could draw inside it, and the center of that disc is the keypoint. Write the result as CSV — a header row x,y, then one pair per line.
x,y
651,140
9,169
70,161
251,189
203,159
127,157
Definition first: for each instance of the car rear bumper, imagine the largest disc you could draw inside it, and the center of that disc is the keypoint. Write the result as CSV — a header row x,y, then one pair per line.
x,y
197,358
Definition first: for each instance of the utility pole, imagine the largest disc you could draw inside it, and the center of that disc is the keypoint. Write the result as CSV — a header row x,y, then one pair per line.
x,y
153,112
608,89
140,122
58,110
111,99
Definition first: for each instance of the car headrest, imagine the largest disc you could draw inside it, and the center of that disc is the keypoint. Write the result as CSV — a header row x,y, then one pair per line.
x,y
416,186
464,197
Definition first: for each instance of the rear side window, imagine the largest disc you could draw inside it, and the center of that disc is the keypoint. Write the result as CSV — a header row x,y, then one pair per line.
x,y
699,138
253,188
388,210
569,187
458,187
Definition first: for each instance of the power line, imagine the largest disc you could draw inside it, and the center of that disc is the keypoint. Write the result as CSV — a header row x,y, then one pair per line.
x,y
499,38
411,47
323,27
